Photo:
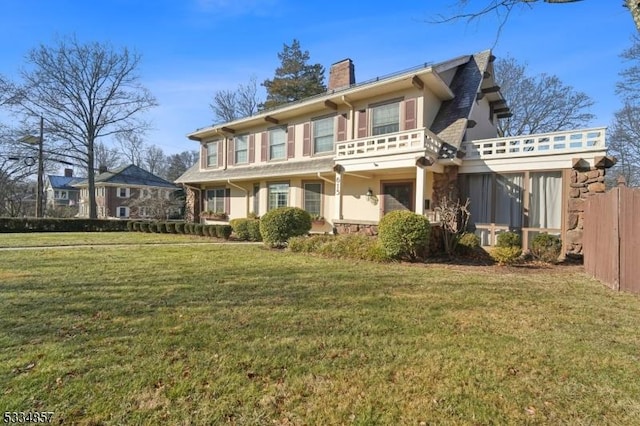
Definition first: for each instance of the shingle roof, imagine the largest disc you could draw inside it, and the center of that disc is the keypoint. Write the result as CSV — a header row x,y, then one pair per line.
x,y
259,170
130,175
63,182
451,121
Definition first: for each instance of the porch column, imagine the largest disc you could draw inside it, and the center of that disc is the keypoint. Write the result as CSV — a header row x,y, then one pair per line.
x,y
337,204
421,179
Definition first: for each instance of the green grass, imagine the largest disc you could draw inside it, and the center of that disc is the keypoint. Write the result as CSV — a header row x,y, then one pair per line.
x,y
243,335
85,238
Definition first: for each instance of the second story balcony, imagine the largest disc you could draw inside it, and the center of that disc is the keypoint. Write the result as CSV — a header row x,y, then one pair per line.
x,y
420,141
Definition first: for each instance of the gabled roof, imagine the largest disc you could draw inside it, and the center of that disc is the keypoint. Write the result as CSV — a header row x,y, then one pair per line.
x,y
130,175
64,182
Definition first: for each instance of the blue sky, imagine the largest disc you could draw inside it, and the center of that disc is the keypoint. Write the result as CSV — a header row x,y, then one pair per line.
x,y
191,48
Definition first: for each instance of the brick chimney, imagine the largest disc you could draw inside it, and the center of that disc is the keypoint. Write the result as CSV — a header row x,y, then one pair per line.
x,y
68,172
342,75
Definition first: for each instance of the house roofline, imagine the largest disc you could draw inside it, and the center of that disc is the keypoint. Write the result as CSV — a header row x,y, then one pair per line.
x,y
426,70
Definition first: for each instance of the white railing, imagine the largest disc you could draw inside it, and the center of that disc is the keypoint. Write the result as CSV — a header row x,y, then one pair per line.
x,y
539,144
392,143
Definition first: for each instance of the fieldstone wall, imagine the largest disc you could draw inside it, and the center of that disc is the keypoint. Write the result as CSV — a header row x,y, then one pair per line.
x,y
356,228
582,184
445,185
192,207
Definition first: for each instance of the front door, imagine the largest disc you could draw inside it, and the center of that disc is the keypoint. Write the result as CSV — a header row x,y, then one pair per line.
x,y
397,196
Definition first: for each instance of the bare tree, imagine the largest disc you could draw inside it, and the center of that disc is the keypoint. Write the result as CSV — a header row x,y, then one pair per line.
x,y
231,105
624,144
106,157
158,204
84,92
503,8
538,104
154,160
177,164
132,147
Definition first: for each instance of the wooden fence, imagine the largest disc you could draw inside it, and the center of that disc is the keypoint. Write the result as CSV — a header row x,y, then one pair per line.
x,y
611,241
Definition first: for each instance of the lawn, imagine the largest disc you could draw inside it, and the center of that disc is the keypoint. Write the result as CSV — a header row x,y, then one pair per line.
x,y
87,238
238,334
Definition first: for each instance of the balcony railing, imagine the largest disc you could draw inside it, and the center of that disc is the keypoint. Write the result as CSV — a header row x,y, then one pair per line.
x,y
419,140
541,144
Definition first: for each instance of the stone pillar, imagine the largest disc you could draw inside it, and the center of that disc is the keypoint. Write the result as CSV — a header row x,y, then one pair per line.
x,y
192,205
582,184
445,185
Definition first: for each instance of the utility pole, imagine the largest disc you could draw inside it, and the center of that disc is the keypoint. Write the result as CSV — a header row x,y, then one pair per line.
x,y
40,189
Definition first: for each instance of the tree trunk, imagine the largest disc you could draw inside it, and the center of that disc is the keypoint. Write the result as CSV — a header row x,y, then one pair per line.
x,y
93,214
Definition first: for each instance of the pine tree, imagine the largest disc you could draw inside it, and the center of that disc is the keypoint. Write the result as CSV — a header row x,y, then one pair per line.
x,y
294,78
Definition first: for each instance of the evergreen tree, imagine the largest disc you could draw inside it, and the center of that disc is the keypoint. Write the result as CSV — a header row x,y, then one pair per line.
x,y
294,78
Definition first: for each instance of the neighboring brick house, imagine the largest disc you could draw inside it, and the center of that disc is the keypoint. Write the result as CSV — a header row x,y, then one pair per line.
x,y
403,141
128,192
60,192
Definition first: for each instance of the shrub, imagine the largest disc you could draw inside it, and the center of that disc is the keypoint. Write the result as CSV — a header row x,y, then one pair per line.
x,y
508,239
198,229
546,248
61,225
240,228
468,243
246,229
309,244
171,227
179,227
144,226
404,235
130,225
223,231
278,225
162,227
188,228
253,227
351,246
506,255
136,226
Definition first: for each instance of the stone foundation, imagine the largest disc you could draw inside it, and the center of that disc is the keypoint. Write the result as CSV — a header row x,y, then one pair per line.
x,y
356,228
582,184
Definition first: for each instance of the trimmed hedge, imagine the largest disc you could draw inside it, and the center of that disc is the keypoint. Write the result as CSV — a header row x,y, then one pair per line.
x,y
404,235
278,225
11,224
223,231
246,229
350,246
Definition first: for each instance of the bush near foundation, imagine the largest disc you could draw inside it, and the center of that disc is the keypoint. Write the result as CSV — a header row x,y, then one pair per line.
x,y
468,243
508,248
404,235
546,248
348,246
246,229
278,225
